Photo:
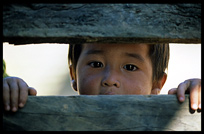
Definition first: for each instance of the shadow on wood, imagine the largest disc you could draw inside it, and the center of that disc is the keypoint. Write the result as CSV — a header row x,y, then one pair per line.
x,y
104,113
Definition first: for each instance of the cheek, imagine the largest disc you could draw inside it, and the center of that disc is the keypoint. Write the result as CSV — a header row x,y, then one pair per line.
x,y
140,85
87,83
138,88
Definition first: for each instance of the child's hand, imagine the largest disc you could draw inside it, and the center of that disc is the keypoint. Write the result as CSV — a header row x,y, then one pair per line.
x,y
192,86
15,93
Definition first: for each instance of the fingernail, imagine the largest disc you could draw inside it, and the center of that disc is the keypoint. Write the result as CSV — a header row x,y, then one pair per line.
x,y
195,106
181,99
21,105
7,108
14,109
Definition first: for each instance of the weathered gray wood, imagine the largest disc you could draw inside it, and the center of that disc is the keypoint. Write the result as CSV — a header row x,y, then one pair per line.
x,y
104,113
109,23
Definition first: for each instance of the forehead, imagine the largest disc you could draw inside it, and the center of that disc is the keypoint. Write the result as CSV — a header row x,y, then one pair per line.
x,y
142,49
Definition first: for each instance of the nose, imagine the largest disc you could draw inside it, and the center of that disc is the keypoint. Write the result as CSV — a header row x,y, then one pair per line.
x,y
111,79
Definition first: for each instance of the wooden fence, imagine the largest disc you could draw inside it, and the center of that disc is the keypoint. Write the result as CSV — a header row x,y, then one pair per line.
x,y
110,23
102,23
104,113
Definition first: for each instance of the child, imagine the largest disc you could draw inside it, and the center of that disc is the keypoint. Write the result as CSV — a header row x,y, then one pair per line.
x,y
108,69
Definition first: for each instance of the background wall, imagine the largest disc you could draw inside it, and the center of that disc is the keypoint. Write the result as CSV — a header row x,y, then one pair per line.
x,y
45,67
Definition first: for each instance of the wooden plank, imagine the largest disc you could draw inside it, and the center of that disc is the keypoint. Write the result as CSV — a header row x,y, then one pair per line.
x,y
104,23
104,113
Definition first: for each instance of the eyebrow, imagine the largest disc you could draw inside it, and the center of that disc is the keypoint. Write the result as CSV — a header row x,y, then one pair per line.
x,y
134,55
93,52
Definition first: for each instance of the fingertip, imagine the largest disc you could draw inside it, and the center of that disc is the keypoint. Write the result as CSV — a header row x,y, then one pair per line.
x,y
7,108
172,91
199,106
32,91
21,105
181,99
194,106
14,109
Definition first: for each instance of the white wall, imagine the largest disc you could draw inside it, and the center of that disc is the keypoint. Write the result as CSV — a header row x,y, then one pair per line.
x,y
184,63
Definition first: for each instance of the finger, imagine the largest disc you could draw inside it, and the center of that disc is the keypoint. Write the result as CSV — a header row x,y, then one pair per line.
x,y
199,98
194,96
172,91
182,89
14,93
32,91
23,93
6,95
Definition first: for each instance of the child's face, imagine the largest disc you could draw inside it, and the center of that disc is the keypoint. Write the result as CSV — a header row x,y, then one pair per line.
x,y
105,69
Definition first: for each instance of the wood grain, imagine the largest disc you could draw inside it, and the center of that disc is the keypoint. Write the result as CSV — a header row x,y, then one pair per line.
x,y
104,113
104,23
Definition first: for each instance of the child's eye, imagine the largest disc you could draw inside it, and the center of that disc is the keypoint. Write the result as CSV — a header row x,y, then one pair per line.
x,y
96,64
130,67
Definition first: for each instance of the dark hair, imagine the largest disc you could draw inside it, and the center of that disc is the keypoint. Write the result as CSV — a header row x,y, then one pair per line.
x,y
159,55
73,55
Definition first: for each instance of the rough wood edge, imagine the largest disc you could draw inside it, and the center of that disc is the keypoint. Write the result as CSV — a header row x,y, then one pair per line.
x,y
78,40
104,113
